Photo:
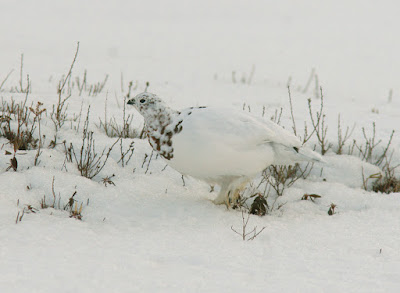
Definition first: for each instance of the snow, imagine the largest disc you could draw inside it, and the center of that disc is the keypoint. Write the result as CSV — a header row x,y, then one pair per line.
x,y
149,233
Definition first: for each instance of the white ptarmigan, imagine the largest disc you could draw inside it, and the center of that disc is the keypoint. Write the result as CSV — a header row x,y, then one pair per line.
x,y
220,146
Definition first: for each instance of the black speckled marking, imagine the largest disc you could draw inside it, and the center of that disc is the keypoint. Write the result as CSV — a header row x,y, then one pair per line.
x,y
165,139
178,127
155,143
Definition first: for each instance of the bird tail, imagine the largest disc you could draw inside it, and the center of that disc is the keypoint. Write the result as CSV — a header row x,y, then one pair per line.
x,y
310,155
286,155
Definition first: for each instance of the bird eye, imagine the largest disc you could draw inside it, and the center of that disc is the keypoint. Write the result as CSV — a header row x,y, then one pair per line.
x,y
142,101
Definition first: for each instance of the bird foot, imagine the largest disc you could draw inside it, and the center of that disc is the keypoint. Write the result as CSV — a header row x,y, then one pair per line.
x,y
219,200
228,200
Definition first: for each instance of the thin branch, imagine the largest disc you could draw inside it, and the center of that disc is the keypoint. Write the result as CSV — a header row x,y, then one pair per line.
x,y
256,234
309,81
70,68
5,79
291,111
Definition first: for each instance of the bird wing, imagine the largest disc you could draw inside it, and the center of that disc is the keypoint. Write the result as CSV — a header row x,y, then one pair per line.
x,y
237,129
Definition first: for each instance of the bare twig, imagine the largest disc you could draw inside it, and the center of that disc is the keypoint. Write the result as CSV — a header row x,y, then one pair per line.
x,y
291,111
148,164
59,113
62,84
309,81
342,139
319,127
251,75
5,79
243,233
381,158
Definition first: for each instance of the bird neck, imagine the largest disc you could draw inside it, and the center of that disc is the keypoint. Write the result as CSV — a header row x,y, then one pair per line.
x,y
160,118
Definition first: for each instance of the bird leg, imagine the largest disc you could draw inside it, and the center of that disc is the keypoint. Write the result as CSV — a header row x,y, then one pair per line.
x,y
234,193
226,198
234,199
230,193
220,199
223,196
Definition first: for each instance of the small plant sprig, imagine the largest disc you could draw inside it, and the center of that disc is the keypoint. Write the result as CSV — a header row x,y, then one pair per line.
x,y
244,234
342,138
20,88
107,180
331,210
367,150
38,111
59,112
319,127
5,79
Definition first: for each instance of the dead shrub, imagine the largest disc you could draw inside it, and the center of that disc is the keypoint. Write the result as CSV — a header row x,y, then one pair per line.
x,y
90,89
88,161
124,130
282,177
244,234
16,127
388,182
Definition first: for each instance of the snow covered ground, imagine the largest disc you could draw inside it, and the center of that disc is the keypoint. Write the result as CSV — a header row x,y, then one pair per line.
x,y
151,233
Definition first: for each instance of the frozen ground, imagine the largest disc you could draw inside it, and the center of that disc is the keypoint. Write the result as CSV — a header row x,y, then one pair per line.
x,y
149,233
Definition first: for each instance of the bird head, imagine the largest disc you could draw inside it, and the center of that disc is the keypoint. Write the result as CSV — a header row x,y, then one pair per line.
x,y
144,102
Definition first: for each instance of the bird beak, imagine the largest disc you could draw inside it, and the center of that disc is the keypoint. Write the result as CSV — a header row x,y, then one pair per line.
x,y
131,102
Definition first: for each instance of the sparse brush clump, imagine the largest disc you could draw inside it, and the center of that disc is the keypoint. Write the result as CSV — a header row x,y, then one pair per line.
x,y
123,131
368,150
113,129
75,210
281,177
88,161
320,129
16,125
72,207
90,89
386,182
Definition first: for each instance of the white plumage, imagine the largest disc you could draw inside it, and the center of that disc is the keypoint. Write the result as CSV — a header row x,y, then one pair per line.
x,y
217,145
